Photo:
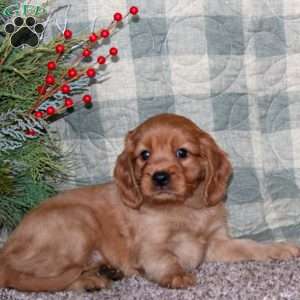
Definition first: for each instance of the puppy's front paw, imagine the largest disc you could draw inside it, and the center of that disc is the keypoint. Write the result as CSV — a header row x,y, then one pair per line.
x,y
178,281
283,251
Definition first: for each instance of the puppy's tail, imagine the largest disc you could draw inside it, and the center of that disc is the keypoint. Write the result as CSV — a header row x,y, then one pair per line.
x,y
27,282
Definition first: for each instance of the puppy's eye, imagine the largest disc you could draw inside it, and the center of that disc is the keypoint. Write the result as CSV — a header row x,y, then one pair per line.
x,y
145,154
181,153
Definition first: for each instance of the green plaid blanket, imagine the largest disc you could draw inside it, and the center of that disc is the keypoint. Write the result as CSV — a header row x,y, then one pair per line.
x,y
233,67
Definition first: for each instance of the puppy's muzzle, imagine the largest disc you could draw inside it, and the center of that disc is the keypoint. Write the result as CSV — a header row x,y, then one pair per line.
x,y
161,178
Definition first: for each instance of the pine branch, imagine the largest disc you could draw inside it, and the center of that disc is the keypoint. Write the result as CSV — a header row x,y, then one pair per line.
x,y
30,161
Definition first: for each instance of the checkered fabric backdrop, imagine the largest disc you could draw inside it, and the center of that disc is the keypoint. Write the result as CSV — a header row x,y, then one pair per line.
x,y
233,67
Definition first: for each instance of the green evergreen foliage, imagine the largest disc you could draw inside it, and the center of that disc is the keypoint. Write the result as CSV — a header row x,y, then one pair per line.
x,y
31,162
29,166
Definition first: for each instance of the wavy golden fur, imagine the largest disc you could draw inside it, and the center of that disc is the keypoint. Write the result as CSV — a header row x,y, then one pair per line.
x,y
161,217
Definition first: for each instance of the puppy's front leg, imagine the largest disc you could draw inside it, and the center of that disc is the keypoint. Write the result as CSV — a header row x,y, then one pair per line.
x,y
240,250
162,266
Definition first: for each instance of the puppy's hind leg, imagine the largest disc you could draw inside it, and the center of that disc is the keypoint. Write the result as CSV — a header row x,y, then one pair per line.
x,y
2,276
110,272
90,280
28,282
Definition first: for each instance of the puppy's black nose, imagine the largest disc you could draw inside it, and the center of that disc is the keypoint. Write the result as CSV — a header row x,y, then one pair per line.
x,y
161,178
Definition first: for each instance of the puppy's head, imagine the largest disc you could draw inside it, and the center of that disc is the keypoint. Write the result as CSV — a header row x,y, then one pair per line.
x,y
168,159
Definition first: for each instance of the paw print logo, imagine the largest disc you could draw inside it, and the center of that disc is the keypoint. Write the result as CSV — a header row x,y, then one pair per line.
x,y
24,32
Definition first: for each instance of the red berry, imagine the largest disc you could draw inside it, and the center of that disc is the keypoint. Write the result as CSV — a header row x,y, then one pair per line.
x,y
133,10
68,34
118,17
51,65
104,33
69,102
65,89
86,52
113,51
87,99
50,110
59,48
101,60
38,114
72,72
91,72
50,79
30,132
93,37
41,90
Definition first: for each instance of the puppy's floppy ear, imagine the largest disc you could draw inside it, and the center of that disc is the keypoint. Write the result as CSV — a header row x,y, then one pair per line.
x,y
125,176
217,173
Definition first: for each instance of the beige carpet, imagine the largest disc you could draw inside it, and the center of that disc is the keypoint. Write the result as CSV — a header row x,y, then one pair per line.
x,y
249,280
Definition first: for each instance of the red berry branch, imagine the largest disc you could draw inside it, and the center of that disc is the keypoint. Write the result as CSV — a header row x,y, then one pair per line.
x,y
53,85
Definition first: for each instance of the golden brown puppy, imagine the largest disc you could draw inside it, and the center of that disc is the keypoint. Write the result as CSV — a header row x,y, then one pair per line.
x,y
161,217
